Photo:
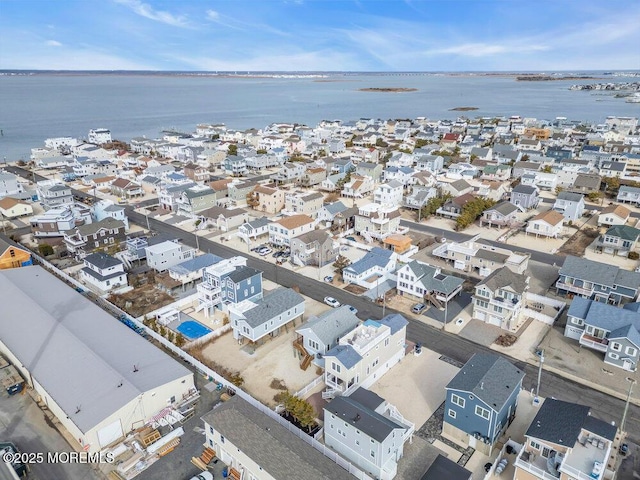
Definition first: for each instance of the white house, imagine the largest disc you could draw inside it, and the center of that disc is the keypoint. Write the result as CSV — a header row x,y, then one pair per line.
x,y
570,205
164,255
389,193
13,208
99,136
106,208
422,281
613,215
282,231
320,334
103,272
547,224
9,184
372,269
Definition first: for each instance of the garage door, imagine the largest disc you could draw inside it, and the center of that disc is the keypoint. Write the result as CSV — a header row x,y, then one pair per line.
x,y
110,434
493,320
481,316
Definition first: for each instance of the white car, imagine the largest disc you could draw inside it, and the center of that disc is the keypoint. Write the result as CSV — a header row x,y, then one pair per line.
x,y
332,302
203,476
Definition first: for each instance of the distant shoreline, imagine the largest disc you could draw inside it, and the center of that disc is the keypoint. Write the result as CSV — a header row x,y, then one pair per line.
x,y
387,89
463,109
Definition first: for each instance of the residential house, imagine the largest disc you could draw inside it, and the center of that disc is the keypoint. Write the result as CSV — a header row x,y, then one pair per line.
x,y
599,281
306,203
194,200
372,269
456,188
342,165
13,208
424,282
499,299
453,207
52,193
328,212
570,205
614,169
106,208
254,229
607,329
56,221
542,180
618,240
369,169
224,219
320,334
221,189
161,256
169,194
429,163
9,184
282,231
524,196
364,355
13,255
313,176
377,221
522,168
234,165
368,431
442,468
492,190
254,320
629,194
191,270
548,224
358,187
496,172
86,238
613,215
238,192
314,248
333,182
419,196
477,255
103,272
124,188
481,401
503,214
389,193
565,441
461,171
196,173
290,172
404,175
586,183
268,199
255,446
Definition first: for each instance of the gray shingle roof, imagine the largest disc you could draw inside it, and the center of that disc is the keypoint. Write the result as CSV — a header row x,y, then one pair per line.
x,y
242,273
375,257
526,189
600,427
102,260
279,452
273,304
629,332
432,281
504,208
102,278
599,273
504,277
195,264
345,354
364,419
367,398
444,469
489,377
394,321
608,317
335,207
109,223
579,307
332,324
558,422
571,197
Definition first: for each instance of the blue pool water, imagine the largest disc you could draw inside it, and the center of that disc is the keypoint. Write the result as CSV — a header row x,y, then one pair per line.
x,y
192,329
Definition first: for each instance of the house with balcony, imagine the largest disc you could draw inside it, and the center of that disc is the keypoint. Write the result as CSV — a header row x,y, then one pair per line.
x,y
418,197
374,268
389,193
332,182
542,180
237,192
453,207
481,401
404,175
524,196
268,199
196,173
598,281
253,320
320,334
503,214
194,200
564,441
547,224
88,237
190,271
342,165
364,355
377,221
613,215
607,329
282,231
479,256
161,256
315,247
619,240
313,176
125,188
103,272
628,194
290,172
254,229
255,446
586,183
307,203
424,282
499,299
570,205
368,431
169,194
429,163
234,165
56,221
370,169
52,193
224,219
357,187
9,184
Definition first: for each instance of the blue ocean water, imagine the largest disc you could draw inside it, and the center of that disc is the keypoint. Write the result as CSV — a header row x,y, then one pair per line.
x,y
35,107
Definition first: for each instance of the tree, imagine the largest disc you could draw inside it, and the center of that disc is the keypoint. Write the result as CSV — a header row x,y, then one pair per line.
x,y
546,169
559,189
421,142
340,264
261,151
171,336
301,410
233,149
525,158
472,210
594,196
381,143
252,199
45,249
180,340
612,185
433,204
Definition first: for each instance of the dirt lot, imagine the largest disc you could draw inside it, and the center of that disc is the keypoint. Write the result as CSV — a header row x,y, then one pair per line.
x,y
141,300
578,242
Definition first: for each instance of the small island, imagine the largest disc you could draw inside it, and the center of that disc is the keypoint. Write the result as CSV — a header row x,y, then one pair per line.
x,y
463,109
388,89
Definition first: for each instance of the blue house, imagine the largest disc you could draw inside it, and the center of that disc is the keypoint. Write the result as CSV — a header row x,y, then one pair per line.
x,y
342,165
481,401
244,283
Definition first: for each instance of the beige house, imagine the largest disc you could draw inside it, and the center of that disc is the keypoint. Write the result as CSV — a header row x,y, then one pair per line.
x,y
303,203
377,221
546,224
282,231
13,208
499,299
269,200
613,215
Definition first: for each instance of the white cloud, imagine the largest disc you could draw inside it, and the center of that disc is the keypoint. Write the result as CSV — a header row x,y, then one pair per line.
x,y
213,15
147,11
52,43
486,49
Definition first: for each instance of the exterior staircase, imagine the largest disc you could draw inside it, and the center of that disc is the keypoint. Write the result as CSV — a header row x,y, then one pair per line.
x,y
207,455
306,356
434,301
234,474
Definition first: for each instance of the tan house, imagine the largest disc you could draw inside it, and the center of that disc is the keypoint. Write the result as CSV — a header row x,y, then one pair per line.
x,y
547,224
125,188
613,215
13,208
196,172
303,202
313,176
269,200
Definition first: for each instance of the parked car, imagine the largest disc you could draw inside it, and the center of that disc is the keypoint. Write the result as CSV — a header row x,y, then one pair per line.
x,y
264,252
203,476
353,309
332,302
328,278
418,308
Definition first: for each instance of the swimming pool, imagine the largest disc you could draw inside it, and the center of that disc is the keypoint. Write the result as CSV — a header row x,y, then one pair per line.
x,y
192,329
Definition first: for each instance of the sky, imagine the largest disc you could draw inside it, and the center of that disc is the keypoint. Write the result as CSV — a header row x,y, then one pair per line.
x,y
320,35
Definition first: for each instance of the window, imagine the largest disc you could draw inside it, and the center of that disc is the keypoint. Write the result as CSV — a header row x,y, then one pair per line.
x,y
211,430
373,454
221,439
482,304
482,412
545,452
614,356
457,400
335,367
386,342
630,351
357,442
452,413
616,347
577,321
12,252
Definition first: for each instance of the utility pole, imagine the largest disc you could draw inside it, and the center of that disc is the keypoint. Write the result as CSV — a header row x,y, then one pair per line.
x,y
626,405
540,353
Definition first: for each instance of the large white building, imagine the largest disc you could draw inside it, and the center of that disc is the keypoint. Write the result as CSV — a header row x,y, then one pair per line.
x,y
97,376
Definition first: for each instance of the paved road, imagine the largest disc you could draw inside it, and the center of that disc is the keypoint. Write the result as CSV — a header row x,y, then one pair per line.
x,y
603,406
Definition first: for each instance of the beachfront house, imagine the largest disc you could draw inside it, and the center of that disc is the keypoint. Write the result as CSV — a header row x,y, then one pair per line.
x,y
253,320
499,299
481,401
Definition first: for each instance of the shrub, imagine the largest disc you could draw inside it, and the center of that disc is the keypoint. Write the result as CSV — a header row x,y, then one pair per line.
x,y
45,249
634,255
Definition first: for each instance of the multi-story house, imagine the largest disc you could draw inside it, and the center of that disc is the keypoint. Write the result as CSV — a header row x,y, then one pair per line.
x,y
86,238
611,330
282,231
224,219
254,229
613,215
629,194
618,240
342,165
13,255
125,188
268,199
358,187
503,214
196,173
372,269
364,355
313,176
106,208
194,200
404,175
598,281
496,172
290,172
98,136
234,165
389,193
168,194
52,193
254,320
564,441
481,401
524,196
240,435
419,196
103,272
238,191
499,299
314,248
161,256
542,180
369,169
586,183
56,221
570,205
332,182
429,163
368,431
302,203
377,221
422,281
547,224
453,207
14,208
9,184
